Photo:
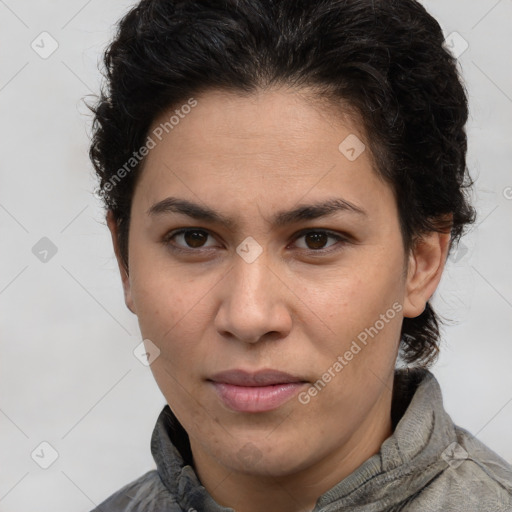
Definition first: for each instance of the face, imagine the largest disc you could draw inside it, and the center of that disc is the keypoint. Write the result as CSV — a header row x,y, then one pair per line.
x,y
267,266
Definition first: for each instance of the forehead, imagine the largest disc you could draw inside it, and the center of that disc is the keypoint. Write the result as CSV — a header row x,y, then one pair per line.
x,y
264,123
270,147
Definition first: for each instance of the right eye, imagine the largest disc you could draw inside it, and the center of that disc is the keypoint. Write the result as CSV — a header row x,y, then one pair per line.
x,y
191,239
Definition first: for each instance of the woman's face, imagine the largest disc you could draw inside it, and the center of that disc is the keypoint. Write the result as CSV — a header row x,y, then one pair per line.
x,y
268,280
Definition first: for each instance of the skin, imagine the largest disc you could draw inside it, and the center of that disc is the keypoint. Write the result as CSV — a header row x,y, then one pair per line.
x,y
209,310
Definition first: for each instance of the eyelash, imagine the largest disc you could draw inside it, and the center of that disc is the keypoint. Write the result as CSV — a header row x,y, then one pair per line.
x,y
167,240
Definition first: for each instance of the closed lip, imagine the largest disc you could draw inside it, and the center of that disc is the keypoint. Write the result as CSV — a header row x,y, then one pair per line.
x,y
259,378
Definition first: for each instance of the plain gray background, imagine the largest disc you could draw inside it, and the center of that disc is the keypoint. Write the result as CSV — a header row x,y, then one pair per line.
x,y
67,371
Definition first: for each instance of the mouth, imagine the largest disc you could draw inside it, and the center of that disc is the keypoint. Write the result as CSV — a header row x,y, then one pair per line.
x,y
260,391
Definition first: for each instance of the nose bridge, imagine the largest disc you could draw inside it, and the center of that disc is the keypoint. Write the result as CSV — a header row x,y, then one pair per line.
x,y
252,304
251,276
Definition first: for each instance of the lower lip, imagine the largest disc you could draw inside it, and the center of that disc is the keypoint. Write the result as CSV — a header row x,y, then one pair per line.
x,y
256,399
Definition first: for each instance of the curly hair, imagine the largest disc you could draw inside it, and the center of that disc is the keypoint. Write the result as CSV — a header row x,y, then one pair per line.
x,y
385,59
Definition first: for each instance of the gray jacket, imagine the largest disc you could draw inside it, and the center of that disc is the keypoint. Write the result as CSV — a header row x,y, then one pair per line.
x,y
428,464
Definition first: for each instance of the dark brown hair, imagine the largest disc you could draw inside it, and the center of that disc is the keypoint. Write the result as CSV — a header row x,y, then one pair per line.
x,y
384,58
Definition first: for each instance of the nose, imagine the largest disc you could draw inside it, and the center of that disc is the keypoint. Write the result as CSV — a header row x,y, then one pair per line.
x,y
254,303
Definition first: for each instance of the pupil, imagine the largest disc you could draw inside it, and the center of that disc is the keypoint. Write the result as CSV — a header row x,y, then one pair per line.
x,y
316,240
195,238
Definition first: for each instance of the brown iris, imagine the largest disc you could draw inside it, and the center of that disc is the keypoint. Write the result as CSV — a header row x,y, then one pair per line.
x,y
195,238
316,240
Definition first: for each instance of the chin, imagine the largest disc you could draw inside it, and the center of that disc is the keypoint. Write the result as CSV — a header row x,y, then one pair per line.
x,y
263,459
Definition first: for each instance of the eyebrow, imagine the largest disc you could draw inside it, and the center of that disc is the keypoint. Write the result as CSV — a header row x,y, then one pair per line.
x,y
280,219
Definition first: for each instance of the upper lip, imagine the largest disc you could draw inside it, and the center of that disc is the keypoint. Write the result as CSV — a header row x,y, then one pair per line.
x,y
258,378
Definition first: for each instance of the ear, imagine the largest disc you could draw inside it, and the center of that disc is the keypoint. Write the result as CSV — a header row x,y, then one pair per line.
x,y
426,264
123,270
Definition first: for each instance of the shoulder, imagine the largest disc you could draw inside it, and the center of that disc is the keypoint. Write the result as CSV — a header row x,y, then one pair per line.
x,y
145,494
485,465
475,479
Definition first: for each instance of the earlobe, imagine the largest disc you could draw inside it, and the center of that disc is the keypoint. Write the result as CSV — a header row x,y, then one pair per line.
x,y
426,265
125,278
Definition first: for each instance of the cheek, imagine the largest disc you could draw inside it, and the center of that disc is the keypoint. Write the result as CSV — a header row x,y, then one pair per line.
x,y
381,282
356,297
162,295
366,318
168,320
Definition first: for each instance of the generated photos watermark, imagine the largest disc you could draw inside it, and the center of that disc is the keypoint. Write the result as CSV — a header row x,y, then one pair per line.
x,y
343,360
143,151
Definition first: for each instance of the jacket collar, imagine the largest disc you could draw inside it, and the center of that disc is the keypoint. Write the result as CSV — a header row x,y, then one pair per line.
x,y
410,458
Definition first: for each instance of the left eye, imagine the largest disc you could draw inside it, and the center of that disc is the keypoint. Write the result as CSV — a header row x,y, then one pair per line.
x,y
317,240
